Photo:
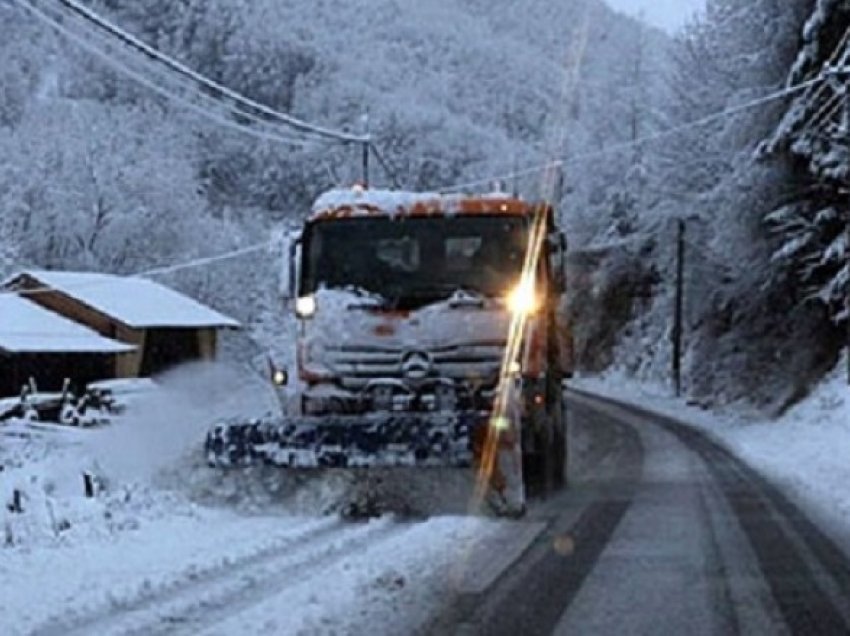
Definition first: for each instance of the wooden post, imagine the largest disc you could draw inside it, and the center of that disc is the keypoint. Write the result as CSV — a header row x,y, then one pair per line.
x,y
679,307
16,506
88,485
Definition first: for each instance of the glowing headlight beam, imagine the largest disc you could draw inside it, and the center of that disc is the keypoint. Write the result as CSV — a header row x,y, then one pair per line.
x,y
500,428
497,431
523,298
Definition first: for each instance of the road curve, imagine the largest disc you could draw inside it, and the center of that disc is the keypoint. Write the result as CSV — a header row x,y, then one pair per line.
x,y
663,531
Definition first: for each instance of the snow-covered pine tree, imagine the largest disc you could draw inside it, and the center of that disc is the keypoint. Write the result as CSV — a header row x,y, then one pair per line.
x,y
815,136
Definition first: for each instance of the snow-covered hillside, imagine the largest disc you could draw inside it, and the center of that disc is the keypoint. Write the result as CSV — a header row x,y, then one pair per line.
x,y
97,172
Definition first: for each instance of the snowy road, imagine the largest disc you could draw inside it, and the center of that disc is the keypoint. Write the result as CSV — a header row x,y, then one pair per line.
x,y
664,532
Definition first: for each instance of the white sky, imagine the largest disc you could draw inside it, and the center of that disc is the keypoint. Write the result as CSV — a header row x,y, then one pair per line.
x,y
667,14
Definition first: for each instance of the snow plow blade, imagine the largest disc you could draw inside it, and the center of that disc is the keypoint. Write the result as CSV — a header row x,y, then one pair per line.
x,y
348,441
429,462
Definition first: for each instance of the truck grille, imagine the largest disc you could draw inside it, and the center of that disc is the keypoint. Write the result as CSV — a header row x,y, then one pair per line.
x,y
356,366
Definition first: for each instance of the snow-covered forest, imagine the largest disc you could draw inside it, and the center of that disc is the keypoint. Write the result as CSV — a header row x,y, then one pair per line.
x,y
98,172
760,191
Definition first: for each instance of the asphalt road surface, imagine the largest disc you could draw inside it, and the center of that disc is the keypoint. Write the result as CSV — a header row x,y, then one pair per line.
x,y
662,532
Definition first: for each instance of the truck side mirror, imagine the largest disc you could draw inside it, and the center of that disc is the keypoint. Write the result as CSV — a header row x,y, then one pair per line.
x,y
290,247
558,259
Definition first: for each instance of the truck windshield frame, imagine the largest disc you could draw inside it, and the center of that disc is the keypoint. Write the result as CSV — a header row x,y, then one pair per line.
x,y
413,261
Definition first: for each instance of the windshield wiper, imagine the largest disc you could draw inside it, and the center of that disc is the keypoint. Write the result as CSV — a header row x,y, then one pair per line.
x,y
456,295
467,297
362,292
369,298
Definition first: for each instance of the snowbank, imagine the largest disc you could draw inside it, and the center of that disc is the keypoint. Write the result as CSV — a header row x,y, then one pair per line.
x,y
133,460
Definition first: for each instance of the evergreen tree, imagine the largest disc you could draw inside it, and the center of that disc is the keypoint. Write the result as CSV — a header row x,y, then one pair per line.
x,y
811,226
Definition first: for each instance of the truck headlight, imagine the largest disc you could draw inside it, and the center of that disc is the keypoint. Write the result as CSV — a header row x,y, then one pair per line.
x,y
305,307
523,298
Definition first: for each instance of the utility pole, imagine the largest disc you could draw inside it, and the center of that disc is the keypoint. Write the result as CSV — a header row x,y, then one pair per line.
x,y
678,311
367,148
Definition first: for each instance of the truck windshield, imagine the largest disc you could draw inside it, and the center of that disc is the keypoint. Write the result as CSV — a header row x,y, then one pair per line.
x,y
414,261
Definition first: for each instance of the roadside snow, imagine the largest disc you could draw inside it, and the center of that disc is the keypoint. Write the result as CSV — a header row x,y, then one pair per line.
x,y
805,452
137,559
144,557
88,575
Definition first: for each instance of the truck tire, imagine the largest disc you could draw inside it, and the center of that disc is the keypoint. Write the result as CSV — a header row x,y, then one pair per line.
x,y
557,450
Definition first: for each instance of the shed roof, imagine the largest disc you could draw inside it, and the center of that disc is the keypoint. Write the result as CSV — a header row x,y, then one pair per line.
x,y
29,328
136,302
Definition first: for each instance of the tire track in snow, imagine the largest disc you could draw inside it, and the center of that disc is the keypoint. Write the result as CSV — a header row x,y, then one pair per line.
x,y
232,595
161,610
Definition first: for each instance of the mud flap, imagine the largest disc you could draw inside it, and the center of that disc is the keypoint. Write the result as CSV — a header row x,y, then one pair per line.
x,y
498,452
510,501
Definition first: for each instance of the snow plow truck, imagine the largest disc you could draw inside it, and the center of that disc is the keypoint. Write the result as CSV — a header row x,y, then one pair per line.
x,y
429,342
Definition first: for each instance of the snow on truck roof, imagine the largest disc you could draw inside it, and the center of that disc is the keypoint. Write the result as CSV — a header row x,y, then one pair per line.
x,y
29,328
346,203
136,302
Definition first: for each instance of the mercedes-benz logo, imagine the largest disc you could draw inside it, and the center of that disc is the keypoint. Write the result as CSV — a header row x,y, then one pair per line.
x,y
416,365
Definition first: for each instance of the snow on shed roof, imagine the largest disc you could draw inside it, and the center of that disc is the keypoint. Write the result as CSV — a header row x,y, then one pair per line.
x,y
29,328
136,302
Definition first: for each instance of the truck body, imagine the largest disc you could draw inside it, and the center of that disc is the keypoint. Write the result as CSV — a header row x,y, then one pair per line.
x,y
429,336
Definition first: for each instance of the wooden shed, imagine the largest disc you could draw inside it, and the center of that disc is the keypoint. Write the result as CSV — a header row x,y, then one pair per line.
x,y
165,327
40,344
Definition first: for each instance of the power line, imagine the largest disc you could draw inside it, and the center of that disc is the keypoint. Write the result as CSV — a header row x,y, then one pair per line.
x,y
824,114
828,67
205,98
132,41
142,80
207,260
627,145
824,125
842,43
156,271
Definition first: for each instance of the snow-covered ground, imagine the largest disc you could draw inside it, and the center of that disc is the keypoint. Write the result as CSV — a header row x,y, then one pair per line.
x,y
144,557
805,452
